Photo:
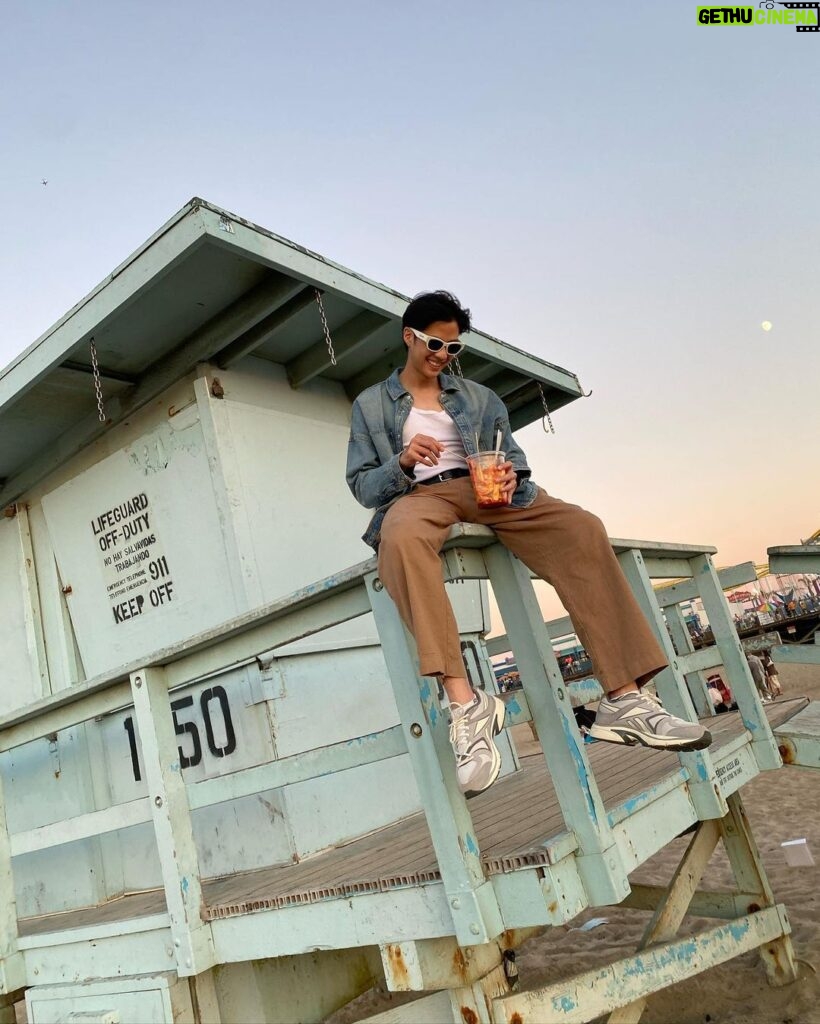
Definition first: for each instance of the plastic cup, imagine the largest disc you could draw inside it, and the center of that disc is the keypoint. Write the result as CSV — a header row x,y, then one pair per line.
x,y
488,479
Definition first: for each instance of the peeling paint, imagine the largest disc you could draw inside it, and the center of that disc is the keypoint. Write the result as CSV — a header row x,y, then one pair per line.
x,y
563,1004
737,931
470,844
635,801
580,767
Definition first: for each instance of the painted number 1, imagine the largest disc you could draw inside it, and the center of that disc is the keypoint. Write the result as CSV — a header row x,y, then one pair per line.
x,y
190,730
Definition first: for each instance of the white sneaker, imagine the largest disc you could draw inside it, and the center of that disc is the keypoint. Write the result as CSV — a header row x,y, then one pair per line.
x,y
472,729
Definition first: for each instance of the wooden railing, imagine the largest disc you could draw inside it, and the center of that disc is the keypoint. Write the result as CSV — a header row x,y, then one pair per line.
x,y
470,553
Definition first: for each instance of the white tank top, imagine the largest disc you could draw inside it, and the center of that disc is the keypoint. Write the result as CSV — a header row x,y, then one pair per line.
x,y
438,424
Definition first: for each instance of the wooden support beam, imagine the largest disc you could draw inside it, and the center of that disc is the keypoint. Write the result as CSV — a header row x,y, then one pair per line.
x,y
12,967
346,339
740,678
673,692
599,861
260,333
705,902
425,965
471,898
600,990
672,908
695,681
106,375
507,382
750,875
173,831
395,358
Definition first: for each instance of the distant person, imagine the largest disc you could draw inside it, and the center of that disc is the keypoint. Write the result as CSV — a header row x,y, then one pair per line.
x,y
718,688
716,697
772,678
759,676
410,437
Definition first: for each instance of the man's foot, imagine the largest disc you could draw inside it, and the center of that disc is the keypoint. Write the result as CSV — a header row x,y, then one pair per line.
x,y
639,718
473,726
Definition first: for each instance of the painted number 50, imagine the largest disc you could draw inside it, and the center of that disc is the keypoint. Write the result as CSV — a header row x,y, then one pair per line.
x,y
190,730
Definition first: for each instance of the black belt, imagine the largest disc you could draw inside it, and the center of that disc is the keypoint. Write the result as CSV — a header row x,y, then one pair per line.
x,y
448,474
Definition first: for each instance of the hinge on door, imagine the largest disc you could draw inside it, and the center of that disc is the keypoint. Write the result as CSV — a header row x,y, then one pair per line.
x,y
266,681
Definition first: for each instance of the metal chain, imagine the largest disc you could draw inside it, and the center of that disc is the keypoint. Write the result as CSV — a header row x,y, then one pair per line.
x,y
457,366
95,367
546,415
325,328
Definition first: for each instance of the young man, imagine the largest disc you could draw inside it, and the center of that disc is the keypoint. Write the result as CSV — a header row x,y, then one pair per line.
x,y
409,439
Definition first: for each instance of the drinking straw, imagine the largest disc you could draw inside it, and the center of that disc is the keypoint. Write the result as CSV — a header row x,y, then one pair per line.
x,y
498,440
477,442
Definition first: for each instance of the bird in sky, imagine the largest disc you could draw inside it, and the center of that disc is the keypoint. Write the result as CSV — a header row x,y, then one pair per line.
x,y
44,181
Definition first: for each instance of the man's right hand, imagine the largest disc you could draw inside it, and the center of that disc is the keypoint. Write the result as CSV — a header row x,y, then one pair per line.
x,y
422,449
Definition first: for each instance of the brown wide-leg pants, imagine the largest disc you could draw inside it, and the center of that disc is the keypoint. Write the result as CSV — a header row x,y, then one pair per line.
x,y
561,543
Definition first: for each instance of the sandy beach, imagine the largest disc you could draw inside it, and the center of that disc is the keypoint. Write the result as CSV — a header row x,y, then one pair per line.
x,y
781,805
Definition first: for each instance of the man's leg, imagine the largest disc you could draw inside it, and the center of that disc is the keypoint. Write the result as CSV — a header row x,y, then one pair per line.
x,y
412,534
569,548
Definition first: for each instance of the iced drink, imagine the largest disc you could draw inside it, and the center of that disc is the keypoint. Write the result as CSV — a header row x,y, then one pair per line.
x,y
488,479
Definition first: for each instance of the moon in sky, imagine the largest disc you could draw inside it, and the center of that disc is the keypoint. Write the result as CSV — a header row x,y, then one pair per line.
x,y
766,325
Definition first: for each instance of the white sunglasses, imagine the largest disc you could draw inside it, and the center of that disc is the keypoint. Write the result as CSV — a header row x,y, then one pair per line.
x,y
436,344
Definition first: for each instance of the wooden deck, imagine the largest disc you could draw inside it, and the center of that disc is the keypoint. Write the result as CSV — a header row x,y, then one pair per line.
x,y
514,821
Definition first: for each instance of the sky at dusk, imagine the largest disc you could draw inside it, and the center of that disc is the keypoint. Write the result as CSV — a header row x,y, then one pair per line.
x,y
611,187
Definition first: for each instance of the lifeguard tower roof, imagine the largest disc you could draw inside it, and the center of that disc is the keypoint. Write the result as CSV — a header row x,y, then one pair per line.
x,y
210,286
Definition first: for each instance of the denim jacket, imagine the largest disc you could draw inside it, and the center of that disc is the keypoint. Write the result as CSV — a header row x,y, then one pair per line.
x,y
378,417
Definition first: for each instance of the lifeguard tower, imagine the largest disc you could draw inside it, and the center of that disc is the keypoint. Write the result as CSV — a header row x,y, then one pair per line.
x,y
227,795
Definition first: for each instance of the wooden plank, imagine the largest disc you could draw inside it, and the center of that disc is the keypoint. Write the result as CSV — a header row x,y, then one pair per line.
x,y
687,589
307,764
700,661
601,990
347,339
797,654
795,558
799,737
666,568
94,823
261,332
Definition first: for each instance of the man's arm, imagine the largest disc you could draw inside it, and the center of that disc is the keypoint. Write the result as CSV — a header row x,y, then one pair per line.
x,y
372,481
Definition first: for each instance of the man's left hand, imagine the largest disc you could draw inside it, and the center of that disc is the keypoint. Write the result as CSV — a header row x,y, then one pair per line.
x,y
509,479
